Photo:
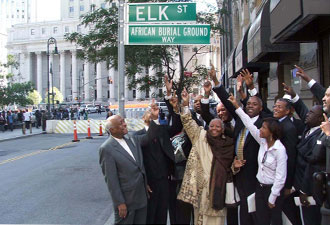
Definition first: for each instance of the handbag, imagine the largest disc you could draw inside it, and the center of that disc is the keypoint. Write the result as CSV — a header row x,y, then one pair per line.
x,y
232,197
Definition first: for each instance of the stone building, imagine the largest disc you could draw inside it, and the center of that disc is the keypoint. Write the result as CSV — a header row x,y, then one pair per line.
x,y
269,37
76,79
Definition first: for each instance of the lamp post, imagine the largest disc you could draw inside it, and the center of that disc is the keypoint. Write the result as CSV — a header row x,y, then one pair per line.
x,y
50,42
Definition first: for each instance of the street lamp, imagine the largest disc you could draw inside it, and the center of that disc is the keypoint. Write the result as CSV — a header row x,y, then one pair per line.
x,y
50,42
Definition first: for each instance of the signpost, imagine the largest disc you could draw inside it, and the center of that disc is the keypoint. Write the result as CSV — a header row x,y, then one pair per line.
x,y
178,34
161,12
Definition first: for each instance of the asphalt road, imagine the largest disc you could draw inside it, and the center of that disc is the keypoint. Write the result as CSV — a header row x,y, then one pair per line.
x,y
47,179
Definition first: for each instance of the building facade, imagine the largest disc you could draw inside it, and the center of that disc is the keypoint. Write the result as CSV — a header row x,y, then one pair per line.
x,y
269,37
76,79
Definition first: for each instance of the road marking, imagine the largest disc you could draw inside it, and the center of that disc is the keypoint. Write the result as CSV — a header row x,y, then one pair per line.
x,y
38,152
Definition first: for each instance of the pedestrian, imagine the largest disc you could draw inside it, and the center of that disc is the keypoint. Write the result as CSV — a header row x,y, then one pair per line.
x,y
10,120
109,114
43,119
208,168
27,120
272,166
38,118
2,122
122,165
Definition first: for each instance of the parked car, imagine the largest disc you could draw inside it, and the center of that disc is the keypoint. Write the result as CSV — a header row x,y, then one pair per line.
x,y
162,105
91,108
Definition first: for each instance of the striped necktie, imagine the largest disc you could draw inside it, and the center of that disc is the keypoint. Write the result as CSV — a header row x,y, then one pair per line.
x,y
241,144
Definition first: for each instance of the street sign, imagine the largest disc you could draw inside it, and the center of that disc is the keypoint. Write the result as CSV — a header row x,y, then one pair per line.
x,y
161,12
176,34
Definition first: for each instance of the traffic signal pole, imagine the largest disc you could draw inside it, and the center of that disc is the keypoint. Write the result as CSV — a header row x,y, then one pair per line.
x,y
121,58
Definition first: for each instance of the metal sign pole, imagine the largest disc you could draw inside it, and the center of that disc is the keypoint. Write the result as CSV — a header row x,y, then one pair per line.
x,y
121,58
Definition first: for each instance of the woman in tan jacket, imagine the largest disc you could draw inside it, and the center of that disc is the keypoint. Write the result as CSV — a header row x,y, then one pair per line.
x,y
208,166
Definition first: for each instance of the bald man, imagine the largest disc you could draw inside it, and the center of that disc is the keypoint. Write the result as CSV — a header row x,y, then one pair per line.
x,y
122,165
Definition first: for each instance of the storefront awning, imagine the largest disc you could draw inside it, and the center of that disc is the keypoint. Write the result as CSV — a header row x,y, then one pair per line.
x,y
298,20
231,63
258,43
241,56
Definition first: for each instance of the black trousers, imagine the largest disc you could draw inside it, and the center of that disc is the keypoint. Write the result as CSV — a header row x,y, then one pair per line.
x,y
158,203
291,210
312,215
180,212
137,216
266,215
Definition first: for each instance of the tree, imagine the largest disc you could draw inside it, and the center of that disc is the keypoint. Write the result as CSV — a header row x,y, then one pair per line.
x,y
16,93
35,97
58,96
100,44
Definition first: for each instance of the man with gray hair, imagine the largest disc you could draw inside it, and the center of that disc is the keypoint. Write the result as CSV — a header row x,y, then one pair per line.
x,y
122,166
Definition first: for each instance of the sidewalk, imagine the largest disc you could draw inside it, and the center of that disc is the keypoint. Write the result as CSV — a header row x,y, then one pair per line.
x,y
17,133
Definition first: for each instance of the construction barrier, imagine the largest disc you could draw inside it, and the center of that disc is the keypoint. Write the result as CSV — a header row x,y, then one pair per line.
x,y
65,126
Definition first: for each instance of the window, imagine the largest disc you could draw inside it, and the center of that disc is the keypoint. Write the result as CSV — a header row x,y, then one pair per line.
x,y
78,28
55,30
134,93
103,5
22,16
66,29
71,9
43,30
32,31
82,8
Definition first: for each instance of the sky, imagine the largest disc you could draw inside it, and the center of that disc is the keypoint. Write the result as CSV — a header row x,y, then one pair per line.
x,y
49,10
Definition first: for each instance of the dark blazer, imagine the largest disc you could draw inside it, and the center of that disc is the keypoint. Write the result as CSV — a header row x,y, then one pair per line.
x,y
158,154
289,140
317,161
318,91
246,178
124,176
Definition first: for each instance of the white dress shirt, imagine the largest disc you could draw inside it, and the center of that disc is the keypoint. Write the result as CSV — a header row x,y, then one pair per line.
x,y
272,162
123,144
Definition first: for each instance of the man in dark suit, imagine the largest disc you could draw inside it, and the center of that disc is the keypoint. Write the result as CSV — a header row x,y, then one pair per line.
x,y
158,157
305,167
246,149
282,110
122,165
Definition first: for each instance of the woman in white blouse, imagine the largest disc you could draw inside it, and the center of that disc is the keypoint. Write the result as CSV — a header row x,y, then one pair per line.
x,y
272,167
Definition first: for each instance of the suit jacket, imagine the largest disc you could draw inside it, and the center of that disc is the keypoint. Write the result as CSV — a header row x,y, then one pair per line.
x,y
318,91
289,140
158,155
124,176
245,179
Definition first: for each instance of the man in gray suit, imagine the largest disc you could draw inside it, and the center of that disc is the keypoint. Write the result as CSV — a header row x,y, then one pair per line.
x,y
122,166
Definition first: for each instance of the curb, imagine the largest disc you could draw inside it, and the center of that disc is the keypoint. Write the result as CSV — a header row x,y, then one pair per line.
x,y
21,137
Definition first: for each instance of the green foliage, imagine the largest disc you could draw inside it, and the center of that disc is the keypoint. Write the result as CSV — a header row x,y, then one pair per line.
x,y
100,45
16,93
35,97
57,93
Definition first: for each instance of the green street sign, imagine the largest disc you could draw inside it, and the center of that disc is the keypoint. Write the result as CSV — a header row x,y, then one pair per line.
x,y
161,12
178,34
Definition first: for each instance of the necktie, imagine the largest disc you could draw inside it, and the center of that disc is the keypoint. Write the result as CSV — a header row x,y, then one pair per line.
x,y
241,144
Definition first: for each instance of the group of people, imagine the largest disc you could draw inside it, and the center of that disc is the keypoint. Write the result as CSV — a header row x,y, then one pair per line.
x,y
184,167
9,119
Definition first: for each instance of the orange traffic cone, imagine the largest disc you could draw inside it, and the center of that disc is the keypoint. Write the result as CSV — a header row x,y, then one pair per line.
x,y
75,136
101,130
89,131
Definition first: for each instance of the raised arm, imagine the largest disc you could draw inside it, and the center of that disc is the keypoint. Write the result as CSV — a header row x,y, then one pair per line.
x,y
190,126
317,89
248,123
298,104
206,115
